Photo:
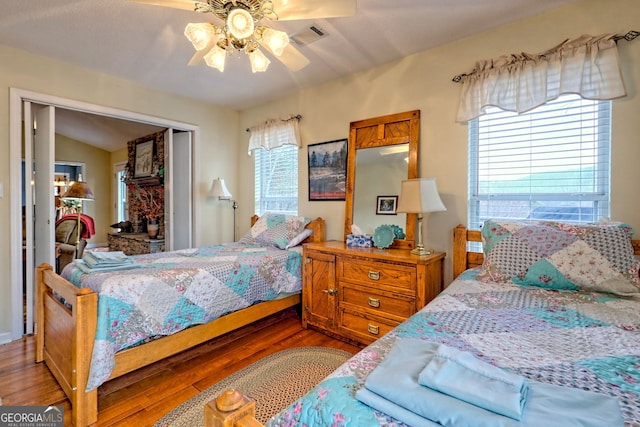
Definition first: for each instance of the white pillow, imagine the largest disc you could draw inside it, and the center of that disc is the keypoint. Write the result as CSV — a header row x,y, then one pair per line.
x,y
299,238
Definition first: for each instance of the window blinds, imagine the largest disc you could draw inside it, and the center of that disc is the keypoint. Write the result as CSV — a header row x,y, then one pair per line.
x,y
276,184
551,163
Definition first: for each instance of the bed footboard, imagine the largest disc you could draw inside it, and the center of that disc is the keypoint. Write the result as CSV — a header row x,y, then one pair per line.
x,y
65,333
231,409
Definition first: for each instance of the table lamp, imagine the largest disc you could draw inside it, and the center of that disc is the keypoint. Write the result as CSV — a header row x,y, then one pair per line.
x,y
418,196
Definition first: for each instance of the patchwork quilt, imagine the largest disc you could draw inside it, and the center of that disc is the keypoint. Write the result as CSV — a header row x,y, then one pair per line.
x,y
581,339
171,291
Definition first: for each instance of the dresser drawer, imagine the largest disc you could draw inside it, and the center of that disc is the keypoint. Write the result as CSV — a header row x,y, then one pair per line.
x,y
375,300
364,327
397,276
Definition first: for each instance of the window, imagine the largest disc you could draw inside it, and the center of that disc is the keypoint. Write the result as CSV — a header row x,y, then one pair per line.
x,y
276,173
551,163
121,192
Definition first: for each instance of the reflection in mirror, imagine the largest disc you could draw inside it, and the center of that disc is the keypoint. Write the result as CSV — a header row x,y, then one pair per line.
x,y
379,172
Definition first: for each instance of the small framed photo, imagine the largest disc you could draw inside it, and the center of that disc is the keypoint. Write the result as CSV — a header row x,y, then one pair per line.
x,y
143,158
387,205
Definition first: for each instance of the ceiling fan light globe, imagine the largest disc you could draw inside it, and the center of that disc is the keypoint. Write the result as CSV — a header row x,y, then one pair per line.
x,y
259,62
276,40
200,35
216,58
240,23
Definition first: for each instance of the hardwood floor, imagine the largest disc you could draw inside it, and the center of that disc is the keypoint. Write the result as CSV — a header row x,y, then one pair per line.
x,y
144,396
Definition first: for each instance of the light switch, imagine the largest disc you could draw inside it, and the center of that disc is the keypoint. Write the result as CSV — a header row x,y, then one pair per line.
x,y
1,190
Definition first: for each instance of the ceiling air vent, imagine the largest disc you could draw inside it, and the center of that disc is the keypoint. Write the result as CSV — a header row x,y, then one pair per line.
x,y
308,35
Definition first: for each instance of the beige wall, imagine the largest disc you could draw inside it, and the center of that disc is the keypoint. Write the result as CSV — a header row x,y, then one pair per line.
x,y
119,156
218,131
423,81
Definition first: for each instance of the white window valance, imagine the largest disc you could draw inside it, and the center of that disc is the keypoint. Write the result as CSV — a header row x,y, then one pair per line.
x,y
275,133
588,66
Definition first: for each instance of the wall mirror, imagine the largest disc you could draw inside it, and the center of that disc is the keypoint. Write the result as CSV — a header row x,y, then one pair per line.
x,y
382,152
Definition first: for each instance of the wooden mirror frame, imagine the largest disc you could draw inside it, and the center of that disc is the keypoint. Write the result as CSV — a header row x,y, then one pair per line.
x,y
393,129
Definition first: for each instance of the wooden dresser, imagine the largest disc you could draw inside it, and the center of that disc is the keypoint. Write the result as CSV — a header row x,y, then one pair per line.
x,y
360,294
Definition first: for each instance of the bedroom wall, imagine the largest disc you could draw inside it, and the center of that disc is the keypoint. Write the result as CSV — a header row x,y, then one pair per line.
x,y
423,81
215,156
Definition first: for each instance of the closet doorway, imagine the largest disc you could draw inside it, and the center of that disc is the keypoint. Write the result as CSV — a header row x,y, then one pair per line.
x,y
32,138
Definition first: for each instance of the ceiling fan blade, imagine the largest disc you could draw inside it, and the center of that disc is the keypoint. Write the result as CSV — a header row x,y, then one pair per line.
x,y
291,57
198,57
176,4
313,9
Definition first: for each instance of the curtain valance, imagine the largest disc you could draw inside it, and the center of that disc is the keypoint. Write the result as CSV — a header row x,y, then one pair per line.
x,y
275,133
588,66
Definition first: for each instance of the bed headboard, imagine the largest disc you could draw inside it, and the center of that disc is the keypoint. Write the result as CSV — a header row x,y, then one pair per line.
x,y
463,259
317,225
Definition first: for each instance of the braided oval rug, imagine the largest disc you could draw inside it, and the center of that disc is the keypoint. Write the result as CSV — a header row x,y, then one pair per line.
x,y
274,382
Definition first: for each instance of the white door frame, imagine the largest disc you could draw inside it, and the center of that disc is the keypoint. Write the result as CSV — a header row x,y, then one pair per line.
x,y
178,204
16,99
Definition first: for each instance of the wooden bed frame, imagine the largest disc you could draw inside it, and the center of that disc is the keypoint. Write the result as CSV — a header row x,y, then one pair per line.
x,y
65,336
462,258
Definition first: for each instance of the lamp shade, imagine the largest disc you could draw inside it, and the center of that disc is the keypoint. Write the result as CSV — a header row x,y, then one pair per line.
x,y
240,23
419,195
219,189
276,40
201,35
216,57
79,190
259,62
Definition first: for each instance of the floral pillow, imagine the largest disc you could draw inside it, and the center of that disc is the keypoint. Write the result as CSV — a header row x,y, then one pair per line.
x,y
595,257
275,230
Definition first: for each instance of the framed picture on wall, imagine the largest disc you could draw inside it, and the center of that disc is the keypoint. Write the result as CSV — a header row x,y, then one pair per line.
x,y
143,158
387,205
328,170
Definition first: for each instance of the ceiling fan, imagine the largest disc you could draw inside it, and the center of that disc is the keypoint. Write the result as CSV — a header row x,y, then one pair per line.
x,y
240,26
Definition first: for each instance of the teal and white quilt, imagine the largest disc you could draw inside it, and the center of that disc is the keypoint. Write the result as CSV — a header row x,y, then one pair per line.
x,y
576,339
171,291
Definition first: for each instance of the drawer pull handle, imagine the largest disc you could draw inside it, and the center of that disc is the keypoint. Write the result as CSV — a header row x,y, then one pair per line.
x,y
374,275
373,329
374,302
331,292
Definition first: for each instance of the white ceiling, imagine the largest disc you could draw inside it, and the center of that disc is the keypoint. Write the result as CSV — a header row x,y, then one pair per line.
x,y
145,43
108,133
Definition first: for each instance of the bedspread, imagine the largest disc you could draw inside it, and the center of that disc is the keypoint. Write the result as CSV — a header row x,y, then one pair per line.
x,y
172,291
585,340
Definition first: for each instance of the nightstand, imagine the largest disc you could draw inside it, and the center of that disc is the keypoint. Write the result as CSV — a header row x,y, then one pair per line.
x,y
359,294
